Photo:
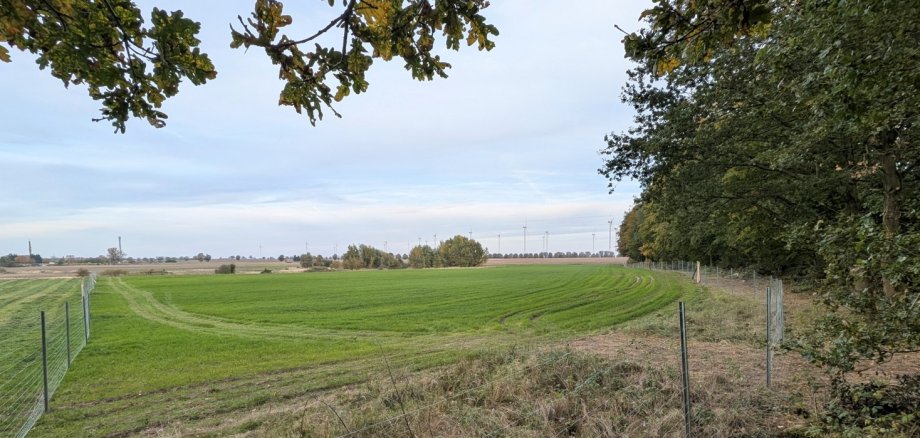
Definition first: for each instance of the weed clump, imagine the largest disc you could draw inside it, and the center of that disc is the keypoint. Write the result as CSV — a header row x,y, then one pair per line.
x,y
226,269
873,409
113,272
155,272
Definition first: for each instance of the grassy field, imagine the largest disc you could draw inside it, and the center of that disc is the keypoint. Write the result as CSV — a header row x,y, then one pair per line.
x,y
21,302
187,353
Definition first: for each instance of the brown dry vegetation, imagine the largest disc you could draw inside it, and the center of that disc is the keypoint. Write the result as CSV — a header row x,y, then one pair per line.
x,y
182,267
244,266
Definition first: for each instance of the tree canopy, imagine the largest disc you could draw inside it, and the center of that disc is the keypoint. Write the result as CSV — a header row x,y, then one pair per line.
x,y
133,65
461,251
782,134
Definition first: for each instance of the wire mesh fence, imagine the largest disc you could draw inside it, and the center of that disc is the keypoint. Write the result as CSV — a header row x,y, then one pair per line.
x,y
44,327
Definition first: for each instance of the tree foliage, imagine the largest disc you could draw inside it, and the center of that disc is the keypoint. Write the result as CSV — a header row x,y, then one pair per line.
x,y
460,251
784,138
114,255
133,65
128,64
368,257
423,256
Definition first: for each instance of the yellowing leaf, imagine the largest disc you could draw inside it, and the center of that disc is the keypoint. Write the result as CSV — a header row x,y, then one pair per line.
x,y
666,65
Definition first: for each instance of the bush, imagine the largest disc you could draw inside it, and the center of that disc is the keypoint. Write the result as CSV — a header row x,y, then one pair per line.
x,y
226,269
82,272
873,409
155,272
266,271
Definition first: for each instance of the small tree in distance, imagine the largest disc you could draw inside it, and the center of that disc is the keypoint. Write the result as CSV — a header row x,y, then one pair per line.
x,y
461,251
114,255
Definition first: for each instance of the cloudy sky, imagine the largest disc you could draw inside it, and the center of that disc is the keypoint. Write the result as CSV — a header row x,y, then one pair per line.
x,y
511,138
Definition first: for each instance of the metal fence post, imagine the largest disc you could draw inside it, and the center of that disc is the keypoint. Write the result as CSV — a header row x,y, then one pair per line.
x,y
67,328
44,360
88,319
769,340
685,368
85,321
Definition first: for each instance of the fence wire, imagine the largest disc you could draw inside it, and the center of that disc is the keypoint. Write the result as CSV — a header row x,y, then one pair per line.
x,y
21,375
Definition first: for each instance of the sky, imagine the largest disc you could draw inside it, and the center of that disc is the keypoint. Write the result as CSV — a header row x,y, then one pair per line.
x,y
511,138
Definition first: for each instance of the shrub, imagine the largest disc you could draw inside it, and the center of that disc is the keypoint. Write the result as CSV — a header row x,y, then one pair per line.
x,y
155,272
226,269
873,409
266,271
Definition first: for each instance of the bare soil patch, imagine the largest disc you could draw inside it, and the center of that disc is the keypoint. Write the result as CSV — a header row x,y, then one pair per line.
x,y
184,267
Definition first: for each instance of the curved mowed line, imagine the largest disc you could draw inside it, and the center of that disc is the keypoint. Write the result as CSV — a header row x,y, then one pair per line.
x,y
401,303
146,306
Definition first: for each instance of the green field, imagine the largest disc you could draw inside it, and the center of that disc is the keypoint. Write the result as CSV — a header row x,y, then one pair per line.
x,y
185,353
21,302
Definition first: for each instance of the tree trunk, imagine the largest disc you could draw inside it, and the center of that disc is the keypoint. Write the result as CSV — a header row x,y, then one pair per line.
x,y
891,209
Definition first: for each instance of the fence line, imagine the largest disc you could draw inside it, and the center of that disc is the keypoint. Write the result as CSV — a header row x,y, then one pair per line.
x,y
706,272
771,287
24,383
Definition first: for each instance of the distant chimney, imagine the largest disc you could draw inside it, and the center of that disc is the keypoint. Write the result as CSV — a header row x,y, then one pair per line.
x,y
30,250
119,245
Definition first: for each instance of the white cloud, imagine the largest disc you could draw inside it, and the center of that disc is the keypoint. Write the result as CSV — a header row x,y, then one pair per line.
x,y
512,134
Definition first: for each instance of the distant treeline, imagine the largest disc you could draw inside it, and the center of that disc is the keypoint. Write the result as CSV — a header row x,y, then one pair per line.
x,y
12,260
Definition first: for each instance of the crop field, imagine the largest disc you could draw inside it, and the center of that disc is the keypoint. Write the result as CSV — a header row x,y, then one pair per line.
x,y
194,354
21,302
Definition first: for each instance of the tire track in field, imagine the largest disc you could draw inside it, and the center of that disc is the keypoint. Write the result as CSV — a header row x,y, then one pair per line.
x,y
11,299
145,305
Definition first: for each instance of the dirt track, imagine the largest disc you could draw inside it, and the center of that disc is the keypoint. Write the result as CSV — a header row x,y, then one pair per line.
x,y
250,266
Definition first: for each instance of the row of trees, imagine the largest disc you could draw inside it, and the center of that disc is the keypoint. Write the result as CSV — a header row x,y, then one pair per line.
x,y
11,260
453,252
783,134
457,251
368,257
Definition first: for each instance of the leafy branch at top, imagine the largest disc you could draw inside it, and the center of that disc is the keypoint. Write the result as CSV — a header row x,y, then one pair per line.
x,y
131,67
317,77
